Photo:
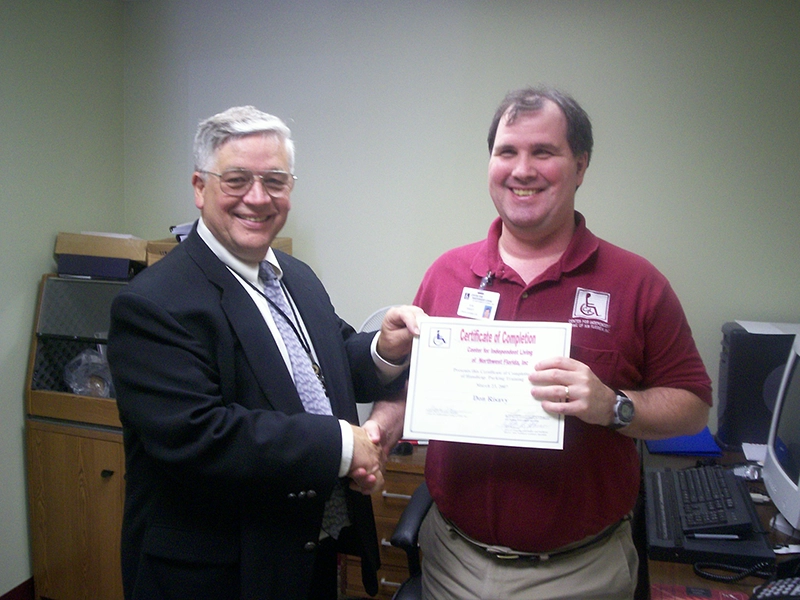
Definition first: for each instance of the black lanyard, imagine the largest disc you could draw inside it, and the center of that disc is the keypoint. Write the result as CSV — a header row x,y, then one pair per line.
x,y
293,323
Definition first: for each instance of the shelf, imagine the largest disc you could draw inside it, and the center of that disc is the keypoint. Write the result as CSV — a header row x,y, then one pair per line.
x,y
69,407
72,315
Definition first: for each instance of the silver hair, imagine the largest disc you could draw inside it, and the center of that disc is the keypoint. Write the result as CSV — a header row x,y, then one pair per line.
x,y
237,122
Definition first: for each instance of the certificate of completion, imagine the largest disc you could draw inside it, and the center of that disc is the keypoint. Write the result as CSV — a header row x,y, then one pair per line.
x,y
469,382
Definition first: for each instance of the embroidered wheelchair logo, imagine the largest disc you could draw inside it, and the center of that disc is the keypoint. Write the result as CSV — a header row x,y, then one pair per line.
x,y
590,304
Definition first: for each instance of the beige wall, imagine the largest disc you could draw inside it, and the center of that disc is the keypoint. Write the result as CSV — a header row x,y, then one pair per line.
x,y
61,111
694,106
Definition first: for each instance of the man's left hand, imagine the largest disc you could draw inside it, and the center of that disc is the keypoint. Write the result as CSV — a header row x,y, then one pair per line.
x,y
569,387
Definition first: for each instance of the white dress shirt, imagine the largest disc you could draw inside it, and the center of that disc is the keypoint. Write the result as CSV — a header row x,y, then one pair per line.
x,y
249,273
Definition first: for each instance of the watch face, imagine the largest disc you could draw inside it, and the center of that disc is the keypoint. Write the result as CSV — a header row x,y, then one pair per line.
x,y
625,411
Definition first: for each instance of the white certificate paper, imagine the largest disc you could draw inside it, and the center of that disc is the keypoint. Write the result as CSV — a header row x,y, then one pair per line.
x,y
469,382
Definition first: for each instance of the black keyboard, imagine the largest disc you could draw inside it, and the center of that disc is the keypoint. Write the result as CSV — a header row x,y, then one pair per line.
x,y
699,502
715,520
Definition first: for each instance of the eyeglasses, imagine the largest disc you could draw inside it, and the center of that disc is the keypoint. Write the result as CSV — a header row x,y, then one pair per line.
x,y
237,182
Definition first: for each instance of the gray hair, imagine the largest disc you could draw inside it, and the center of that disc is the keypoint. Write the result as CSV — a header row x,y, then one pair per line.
x,y
234,123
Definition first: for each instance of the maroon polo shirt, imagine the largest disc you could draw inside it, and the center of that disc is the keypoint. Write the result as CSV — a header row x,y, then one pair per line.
x,y
628,327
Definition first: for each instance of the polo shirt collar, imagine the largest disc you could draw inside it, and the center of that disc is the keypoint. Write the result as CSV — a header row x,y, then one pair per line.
x,y
581,247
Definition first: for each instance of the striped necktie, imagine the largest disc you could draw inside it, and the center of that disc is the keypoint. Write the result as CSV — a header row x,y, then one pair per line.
x,y
307,379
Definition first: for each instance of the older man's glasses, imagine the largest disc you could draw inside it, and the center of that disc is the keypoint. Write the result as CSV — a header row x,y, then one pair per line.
x,y
237,182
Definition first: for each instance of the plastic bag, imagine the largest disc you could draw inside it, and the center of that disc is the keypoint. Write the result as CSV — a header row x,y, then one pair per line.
x,y
88,375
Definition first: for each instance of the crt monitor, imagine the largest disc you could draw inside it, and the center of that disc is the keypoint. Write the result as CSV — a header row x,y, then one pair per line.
x,y
781,470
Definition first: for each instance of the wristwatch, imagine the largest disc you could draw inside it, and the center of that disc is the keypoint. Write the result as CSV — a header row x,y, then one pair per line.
x,y
623,411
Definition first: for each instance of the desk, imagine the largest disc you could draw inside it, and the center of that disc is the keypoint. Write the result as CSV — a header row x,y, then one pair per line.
x,y
681,574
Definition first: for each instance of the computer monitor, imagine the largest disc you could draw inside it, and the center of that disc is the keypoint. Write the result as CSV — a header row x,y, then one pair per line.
x,y
781,470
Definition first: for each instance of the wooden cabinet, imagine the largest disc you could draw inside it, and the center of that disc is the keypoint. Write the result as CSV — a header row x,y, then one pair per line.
x,y
75,456
403,476
76,489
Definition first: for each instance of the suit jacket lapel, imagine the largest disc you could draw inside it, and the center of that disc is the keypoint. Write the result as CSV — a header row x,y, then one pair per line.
x,y
257,342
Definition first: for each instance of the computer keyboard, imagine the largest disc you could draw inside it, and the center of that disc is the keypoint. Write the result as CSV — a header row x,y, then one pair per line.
x,y
701,502
713,521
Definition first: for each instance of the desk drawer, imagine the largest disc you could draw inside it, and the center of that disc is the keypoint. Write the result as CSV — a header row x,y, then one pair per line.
x,y
394,497
389,579
389,554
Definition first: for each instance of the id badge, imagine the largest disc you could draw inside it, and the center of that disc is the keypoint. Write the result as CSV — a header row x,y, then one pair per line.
x,y
478,304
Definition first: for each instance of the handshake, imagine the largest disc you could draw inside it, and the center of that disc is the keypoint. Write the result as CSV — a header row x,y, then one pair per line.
x,y
373,441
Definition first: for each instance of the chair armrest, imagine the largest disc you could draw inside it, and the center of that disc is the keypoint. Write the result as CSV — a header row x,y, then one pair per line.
x,y
406,532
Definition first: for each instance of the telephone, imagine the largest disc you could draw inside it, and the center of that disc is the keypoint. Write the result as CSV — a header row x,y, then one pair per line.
x,y
786,584
778,589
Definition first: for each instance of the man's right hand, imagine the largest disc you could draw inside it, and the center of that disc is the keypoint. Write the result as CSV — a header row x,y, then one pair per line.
x,y
398,329
366,470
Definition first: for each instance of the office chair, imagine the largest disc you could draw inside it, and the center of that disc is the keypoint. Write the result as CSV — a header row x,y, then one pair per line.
x,y
405,537
373,322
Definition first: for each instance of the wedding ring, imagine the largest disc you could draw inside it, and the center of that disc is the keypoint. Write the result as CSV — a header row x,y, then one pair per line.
x,y
566,393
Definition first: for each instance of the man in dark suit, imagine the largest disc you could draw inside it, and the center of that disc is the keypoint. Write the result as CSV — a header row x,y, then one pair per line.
x,y
229,470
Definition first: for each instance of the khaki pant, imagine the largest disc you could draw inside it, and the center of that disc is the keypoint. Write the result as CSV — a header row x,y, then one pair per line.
x,y
453,568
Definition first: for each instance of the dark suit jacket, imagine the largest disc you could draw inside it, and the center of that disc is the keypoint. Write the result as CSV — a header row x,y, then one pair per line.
x,y
226,474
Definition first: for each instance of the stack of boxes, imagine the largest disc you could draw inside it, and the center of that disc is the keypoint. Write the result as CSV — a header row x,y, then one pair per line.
x,y
117,257
107,256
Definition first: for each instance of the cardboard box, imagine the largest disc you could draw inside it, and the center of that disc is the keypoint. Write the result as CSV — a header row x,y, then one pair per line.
x,y
96,267
107,246
282,243
158,249
99,256
118,257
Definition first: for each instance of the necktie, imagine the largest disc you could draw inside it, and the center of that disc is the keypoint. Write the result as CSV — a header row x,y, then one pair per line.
x,y
309,385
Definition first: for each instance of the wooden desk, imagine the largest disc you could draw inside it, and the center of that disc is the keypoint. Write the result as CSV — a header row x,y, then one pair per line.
x,y
679,574
682,574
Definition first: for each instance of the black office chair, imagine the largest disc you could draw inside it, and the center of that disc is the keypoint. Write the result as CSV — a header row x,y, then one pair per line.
x,y
405,537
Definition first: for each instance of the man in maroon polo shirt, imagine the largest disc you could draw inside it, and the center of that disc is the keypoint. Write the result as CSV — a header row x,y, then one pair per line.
x,y
544,524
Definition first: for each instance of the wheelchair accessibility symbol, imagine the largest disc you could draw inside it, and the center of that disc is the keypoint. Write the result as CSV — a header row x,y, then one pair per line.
x,y
590,304
439,338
